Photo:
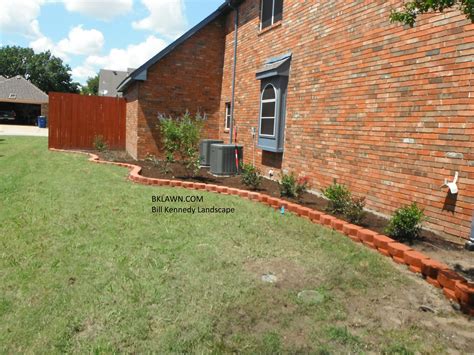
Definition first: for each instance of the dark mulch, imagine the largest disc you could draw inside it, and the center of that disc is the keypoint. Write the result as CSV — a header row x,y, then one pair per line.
x,y
430,243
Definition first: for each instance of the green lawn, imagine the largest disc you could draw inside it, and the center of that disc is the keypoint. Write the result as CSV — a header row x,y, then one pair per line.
x,y
86,267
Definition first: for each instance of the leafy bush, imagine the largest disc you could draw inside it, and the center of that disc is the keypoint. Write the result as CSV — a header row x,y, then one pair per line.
x,y
405,224
251,176
339,197
100,144
354,210
181,139
290,186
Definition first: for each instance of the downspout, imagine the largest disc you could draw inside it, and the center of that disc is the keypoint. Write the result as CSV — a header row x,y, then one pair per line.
x,y
470,242
234,70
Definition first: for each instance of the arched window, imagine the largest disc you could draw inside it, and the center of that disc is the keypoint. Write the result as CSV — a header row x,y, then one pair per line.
x,y
268,111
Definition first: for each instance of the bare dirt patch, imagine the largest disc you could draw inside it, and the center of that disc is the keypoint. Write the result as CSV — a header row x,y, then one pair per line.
x,y
367,313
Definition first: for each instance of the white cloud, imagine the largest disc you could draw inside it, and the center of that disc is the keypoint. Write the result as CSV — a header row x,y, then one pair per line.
x,y
78,42
42,44
167,17
100,9
20,16
120,59
82,42
81,73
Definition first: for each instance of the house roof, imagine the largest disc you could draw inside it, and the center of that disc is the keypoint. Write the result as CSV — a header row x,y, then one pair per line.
x,y
109,80
18,89
2,78
140,72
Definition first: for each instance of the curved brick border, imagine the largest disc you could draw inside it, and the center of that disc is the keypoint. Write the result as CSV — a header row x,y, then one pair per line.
x,y
454,286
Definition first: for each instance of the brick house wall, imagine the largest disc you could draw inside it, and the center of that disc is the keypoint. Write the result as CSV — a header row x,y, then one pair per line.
x,y
131,122
188,79
387,110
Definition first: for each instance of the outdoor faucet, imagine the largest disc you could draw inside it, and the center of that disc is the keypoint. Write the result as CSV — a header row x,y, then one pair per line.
x,y
453,187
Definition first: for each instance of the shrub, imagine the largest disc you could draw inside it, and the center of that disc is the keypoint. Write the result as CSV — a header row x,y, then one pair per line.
x,y
251,176
181,139
405,224
100,144
290,186
338,196
354,210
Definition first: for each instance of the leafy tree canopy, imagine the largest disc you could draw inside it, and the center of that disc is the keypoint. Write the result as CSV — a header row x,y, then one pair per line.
x,y
412,9
91,87
44,70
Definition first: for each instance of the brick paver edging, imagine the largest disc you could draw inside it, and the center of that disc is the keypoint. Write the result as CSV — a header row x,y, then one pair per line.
x,y
454,286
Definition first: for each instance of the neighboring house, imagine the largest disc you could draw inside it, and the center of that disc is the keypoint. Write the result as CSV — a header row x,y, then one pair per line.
x,y
23,98
334,91
109,80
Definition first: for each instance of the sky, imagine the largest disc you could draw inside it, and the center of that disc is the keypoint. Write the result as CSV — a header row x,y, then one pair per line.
x,y
89,35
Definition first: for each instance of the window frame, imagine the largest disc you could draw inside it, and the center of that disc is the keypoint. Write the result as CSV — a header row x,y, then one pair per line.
x,y
227,116
275,110
272,22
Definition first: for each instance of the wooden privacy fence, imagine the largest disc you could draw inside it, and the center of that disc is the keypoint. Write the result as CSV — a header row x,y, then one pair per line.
x,y
75,120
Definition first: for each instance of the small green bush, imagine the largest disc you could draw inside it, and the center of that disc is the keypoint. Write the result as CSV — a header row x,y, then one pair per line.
x,y
181,139
290,186
339,197
354,210
405,224
251,176
100,144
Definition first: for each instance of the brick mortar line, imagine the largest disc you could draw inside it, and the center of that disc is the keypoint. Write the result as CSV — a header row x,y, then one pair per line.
x,y
454,286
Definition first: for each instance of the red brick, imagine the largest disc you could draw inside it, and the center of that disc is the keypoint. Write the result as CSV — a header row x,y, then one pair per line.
x,y
433,282
222,189
355,238
315,215
465,293
414,259
448,278
304,211
338,224
326,219
253,196
414,269
382,241
450,294
430,268
366,235
350,229
243,193
398,250
384,252
176,183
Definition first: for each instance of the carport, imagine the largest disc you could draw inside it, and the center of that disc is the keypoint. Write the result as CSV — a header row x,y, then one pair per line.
x,y
21,102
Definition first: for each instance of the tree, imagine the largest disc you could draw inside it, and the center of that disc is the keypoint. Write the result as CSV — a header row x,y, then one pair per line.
x,y
414,8
44,70
91,87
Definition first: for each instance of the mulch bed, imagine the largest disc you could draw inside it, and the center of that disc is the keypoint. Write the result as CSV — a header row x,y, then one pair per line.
x,y
430,243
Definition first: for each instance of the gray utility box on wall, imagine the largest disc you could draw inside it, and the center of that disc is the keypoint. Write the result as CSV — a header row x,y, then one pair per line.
x,y
205,151
223,158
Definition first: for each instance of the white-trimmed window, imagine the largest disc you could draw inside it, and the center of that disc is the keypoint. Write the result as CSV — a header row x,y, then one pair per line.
x,y
228,108
271,12
268,111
